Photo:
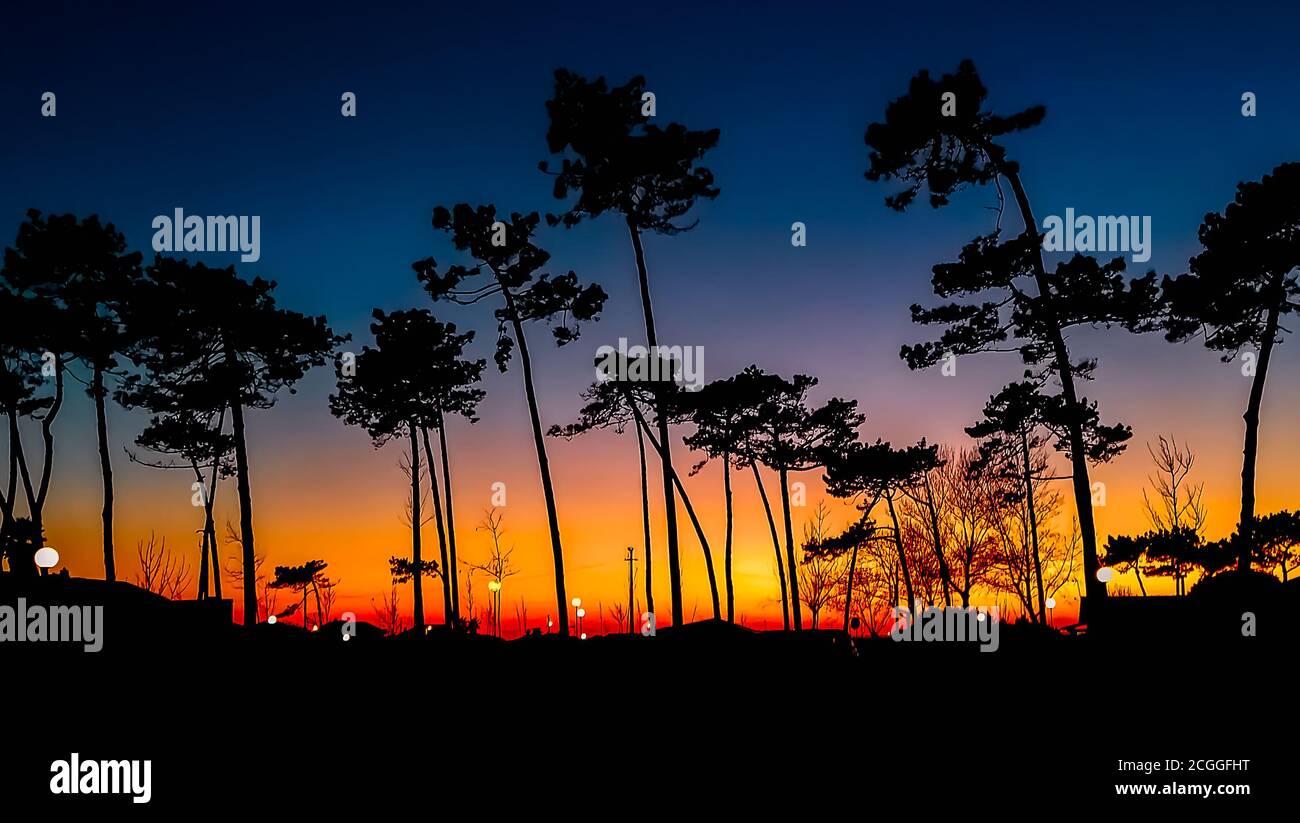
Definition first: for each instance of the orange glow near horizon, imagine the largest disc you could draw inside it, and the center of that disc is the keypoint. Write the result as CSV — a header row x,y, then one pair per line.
x,y
341,500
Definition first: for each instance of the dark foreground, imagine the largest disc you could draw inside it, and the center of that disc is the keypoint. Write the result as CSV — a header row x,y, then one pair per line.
x,y
708,720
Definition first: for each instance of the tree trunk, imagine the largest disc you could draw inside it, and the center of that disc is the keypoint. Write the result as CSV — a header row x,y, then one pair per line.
x,y
543,464
320,617
791,569
726,563
216,567
1246,525
448,615
245,511
451,520
98,391
661,415
36,503
645,521
1065,371
209,504
24,566
1033,525
18,456
202,593
848,588
945,576
418,605
205,552
8,499
776,547
690,512
902,559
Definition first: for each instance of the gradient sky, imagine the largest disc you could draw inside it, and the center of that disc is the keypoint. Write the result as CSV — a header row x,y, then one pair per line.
x,y
236,111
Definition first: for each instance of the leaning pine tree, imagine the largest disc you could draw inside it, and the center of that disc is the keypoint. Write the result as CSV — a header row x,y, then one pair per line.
x,y
938,137
505,256
1236,294
617,161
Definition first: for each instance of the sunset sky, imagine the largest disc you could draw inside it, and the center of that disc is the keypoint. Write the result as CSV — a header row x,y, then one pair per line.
x,y
204,113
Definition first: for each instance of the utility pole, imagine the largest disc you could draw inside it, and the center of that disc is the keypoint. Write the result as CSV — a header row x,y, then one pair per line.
x,y
631,584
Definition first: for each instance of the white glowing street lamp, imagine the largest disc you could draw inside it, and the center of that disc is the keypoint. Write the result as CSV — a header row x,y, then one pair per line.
x,y
1051,604
494,586
581,614
47,557
577,604
1105,573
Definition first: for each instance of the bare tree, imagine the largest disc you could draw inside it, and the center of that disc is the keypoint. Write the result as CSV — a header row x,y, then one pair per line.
x,y
1175,503
821,576
521,617
1012,569
162,572
621,616
498,566
970,494
387,612
329,595
266,597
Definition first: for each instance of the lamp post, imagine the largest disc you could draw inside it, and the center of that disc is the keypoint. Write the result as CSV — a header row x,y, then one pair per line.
x,y
577,604
47,557
581,614
1051,604
494,586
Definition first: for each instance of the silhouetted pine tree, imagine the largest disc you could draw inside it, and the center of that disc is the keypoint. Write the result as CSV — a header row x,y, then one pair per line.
x,y
869,473
20,380
789,436
1237,292
506,254
416,374
622,163
210,326
726,414
77,274
188,424
1021,307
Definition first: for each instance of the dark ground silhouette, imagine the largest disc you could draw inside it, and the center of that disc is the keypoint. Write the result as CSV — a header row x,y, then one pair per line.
x,y
349,721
